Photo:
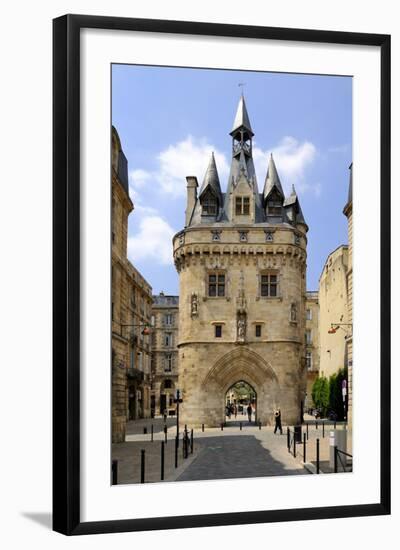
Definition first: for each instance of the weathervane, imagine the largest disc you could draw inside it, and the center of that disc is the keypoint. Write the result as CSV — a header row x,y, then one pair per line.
x,y
242,85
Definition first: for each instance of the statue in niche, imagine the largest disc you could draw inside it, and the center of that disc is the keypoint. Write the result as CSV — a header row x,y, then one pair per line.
x,y
194,306
241,328
293,313
241,299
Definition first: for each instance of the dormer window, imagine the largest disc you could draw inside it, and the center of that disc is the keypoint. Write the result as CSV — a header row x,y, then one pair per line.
x,y
242,206
274,206
209,205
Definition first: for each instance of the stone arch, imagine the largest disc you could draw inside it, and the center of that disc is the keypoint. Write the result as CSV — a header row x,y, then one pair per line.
x,y
240,364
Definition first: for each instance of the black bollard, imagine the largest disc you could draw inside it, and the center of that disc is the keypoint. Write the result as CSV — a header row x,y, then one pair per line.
x,y
152,433
316,424
288,438
259,425
335,460
202,427
191,441
323,429
294,444
165,434
162,460
145,430
334,425
142,458
222,426
240,426
114,471
176,450
186,445
304,448
317,456
307,431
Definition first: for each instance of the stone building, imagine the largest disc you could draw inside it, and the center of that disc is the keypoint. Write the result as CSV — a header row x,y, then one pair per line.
x,y
131,304
333,306
348,212
164,344
139,376
312,346
241,260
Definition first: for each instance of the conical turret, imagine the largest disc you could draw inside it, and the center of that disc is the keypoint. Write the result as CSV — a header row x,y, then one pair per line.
x,y
272,180
211,180
293,208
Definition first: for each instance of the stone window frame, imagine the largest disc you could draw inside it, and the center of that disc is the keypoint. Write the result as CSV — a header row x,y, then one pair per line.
x,y
309,360
165,317
168,362
269,272
309,311
242,205
168,339
258,328
217,273
218,330
308,340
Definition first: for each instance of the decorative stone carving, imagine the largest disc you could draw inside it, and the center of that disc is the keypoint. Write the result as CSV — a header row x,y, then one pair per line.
x,y
216,235
241,328
194,305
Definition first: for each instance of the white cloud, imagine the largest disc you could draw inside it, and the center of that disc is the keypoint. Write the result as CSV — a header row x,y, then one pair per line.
x,y
152,242
292,158
189,157
339,148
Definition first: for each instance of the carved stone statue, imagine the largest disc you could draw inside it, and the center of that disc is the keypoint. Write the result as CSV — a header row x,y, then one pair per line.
x,y
194,306
293,313
241,328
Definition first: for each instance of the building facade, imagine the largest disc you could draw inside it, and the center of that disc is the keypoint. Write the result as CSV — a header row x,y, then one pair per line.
x,y
241,260
165,360
130,305
333,306
348,212
312,347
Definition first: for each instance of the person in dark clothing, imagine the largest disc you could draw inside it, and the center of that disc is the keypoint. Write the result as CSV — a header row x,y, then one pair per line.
x,y
249,412
278,421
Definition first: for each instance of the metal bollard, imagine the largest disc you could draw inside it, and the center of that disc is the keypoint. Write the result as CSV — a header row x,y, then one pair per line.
x,y
162,460
186,445
145,430
334,425
114,470
288,439
323,429
152,433
304,448
317,456
191,441
259,425
316,424
176,450
202,427
142,458
240,426
222,426
335,459
307,431
294,445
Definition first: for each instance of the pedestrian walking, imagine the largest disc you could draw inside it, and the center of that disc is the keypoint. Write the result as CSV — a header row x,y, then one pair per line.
x,y
278,421
249,412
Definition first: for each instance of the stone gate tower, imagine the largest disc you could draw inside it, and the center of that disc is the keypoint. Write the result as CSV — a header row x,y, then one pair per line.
x,y
241,259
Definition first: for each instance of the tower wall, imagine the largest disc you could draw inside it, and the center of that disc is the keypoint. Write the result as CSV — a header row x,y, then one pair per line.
x,y
273,363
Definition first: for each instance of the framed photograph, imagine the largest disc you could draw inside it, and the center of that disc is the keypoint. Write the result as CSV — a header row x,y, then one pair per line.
x,y
221,310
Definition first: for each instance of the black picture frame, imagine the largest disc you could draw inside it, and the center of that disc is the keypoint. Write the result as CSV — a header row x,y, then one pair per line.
x,y
66,273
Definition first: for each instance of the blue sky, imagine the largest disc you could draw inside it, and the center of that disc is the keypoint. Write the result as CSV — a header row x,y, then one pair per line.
x,y
170,119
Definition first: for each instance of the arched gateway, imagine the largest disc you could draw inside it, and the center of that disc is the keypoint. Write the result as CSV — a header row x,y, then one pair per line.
x,y
241,260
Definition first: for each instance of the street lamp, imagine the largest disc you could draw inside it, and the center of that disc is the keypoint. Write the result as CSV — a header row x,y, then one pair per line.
x,y
177,400
336,326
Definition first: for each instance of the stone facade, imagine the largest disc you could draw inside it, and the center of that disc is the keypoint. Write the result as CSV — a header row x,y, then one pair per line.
x,y
129,383
241,261
334,312
312,345
348,212
164,344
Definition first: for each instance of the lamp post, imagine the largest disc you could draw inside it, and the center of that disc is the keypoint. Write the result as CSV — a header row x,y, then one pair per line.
x,y
177,400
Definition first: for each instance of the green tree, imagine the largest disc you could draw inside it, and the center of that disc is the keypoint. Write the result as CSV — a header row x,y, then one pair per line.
x,y
335,392
320,393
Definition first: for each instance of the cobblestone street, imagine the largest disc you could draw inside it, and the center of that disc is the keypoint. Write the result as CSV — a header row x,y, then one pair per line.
x,y
218,454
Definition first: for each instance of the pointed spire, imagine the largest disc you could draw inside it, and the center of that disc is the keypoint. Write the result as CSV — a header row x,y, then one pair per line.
x,y
293,200
242,118
272,180
211,179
